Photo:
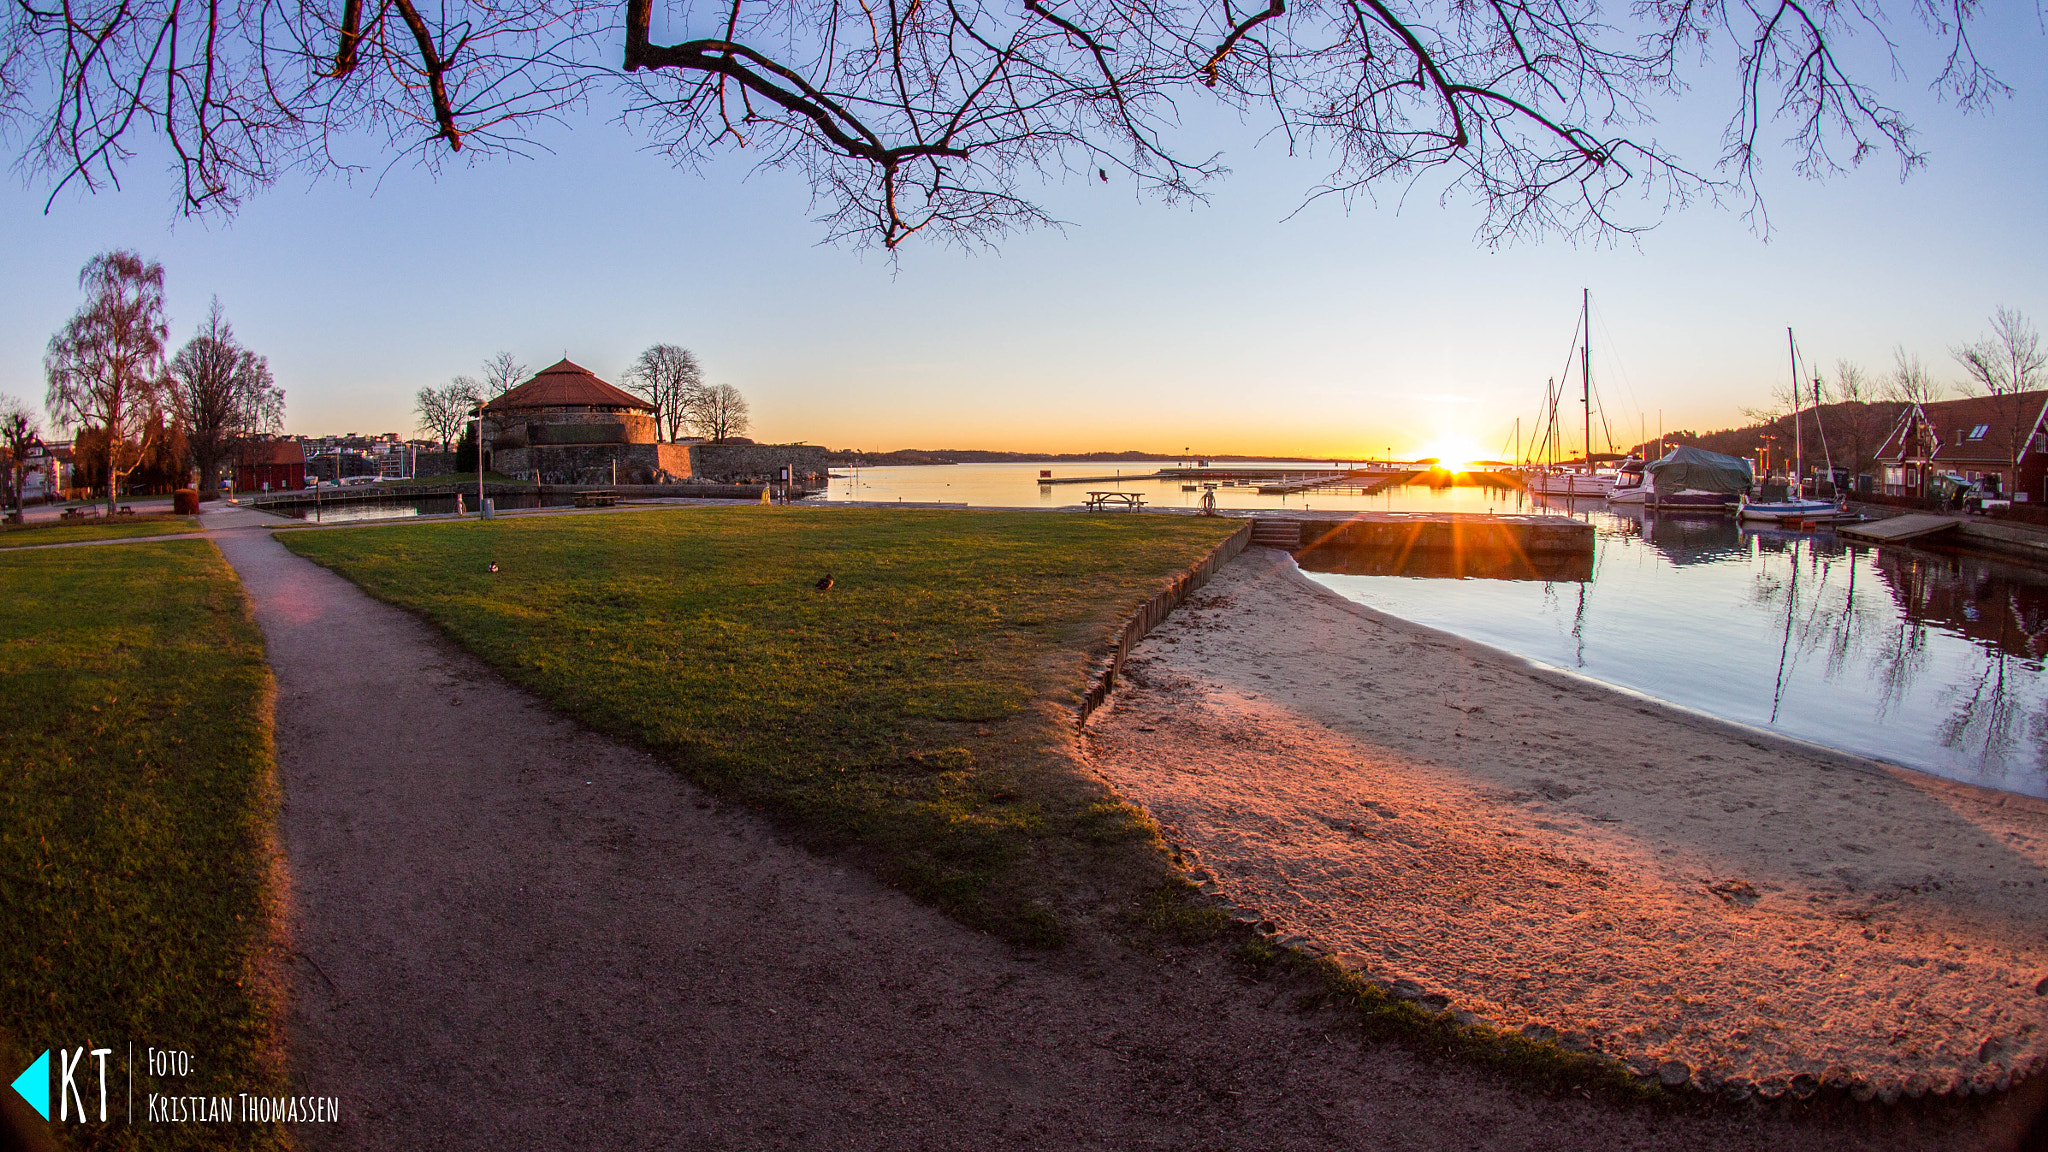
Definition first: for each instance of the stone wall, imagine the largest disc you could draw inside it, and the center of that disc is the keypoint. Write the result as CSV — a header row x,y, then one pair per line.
x,y
568,426
592,463
742,463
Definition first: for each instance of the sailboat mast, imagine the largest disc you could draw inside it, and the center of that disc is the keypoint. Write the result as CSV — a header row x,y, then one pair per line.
x,y
1586,369
1798,446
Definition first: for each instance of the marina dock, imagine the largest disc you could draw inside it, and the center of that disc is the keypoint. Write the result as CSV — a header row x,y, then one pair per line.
x,y
1899,529
1474,534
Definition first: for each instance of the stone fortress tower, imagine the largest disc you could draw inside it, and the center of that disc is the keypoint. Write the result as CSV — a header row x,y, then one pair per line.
x,y
565,426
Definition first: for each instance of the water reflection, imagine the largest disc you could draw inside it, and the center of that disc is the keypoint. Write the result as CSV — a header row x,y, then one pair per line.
x,y
1443,564
1929,659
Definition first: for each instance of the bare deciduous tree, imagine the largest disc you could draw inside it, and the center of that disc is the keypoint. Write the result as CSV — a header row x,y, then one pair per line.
x,y
222,396
719,411
106,365
1909,382
442,411
2007,361
20,432
1861,420
671,379
2005,366
502,373
932,117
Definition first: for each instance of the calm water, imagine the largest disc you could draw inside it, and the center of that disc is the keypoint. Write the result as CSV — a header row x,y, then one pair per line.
x,y
1016,486
1930,660
346,511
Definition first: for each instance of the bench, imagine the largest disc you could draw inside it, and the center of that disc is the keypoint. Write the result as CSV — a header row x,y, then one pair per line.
x,y
1129,501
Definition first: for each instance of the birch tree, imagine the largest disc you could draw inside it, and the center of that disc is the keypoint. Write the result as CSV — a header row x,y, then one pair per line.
x,y
106,365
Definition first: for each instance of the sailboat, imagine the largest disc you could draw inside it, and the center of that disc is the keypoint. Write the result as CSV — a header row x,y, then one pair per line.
x,y
1799,507
1556,481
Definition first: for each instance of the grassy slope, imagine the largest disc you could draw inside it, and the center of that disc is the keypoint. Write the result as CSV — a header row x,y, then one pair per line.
x,y
136,799
69,532
918,716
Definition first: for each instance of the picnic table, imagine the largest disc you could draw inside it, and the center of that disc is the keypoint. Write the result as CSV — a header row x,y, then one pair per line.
x,y
1130,501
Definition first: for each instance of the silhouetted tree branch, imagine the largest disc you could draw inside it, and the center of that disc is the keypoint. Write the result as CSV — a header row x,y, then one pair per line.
x,y
932,117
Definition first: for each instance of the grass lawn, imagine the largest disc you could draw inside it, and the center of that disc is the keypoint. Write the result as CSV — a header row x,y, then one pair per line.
x,y
919,716
112,528
136,810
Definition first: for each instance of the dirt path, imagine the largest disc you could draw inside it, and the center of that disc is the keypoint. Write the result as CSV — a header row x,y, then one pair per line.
x,y
520,935
1563,858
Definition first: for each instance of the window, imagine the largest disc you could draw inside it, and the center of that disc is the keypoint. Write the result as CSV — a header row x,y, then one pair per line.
x,y
1978,432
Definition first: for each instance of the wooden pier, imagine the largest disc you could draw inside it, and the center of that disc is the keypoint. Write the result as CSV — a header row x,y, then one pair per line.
x,y
1119,479
1477,535
1899,529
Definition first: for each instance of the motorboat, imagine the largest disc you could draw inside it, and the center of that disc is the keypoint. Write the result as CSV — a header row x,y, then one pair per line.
x,y
1562,483
1629,483
1684,480
1800,509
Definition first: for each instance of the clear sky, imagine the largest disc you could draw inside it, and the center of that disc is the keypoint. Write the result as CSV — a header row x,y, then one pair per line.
x,y
1222,327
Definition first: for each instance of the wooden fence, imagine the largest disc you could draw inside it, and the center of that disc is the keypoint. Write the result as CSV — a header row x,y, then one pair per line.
x,y
1152,611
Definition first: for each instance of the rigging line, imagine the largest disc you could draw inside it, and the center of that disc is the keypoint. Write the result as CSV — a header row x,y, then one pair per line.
x,y
1620,366
1825,454
1552,390
1605,429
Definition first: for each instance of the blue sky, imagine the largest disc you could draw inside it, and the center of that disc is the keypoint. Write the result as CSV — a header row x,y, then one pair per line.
x,y
1224,327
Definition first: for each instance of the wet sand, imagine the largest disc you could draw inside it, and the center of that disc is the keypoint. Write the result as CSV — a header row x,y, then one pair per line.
x,y
1562,858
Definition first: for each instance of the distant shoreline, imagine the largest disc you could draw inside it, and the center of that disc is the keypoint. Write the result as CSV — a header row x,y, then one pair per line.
x,y
912,456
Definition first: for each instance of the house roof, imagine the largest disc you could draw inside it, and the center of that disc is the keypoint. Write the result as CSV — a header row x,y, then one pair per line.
x,y
271,452
567,385
1955,426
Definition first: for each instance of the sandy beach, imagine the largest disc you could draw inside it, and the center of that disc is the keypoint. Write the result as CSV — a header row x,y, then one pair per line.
x,y
1706,902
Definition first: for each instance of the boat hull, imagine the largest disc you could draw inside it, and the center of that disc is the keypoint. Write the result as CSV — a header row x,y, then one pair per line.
x,y
1790,510
1569,484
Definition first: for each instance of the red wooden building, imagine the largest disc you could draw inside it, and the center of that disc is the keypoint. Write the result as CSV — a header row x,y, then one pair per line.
x,y
270,466
2001,436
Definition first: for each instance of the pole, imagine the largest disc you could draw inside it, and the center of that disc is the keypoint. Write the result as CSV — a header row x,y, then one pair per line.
x,y
1586,369
479,459
1798,444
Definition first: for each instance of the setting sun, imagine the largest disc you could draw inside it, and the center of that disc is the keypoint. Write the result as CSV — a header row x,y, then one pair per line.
x,y
1452,453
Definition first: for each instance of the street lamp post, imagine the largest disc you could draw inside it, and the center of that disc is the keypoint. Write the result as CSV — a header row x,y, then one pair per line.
x,y
479,458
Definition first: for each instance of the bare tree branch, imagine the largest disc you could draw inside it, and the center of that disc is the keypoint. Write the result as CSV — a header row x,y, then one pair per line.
x,y
933,117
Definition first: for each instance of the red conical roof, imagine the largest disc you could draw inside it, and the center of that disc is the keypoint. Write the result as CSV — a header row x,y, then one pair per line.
x,y
567,385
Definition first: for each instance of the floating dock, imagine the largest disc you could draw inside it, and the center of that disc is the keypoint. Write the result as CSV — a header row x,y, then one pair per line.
x,y
1899,529
1484,537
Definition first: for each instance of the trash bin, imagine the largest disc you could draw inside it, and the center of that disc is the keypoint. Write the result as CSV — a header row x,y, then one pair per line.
x,y
490,507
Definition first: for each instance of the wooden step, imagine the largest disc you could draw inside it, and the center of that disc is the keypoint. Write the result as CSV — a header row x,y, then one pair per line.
x,y
1277,534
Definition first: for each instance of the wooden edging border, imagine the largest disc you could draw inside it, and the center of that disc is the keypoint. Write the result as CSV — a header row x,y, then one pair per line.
x,y
1156,609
